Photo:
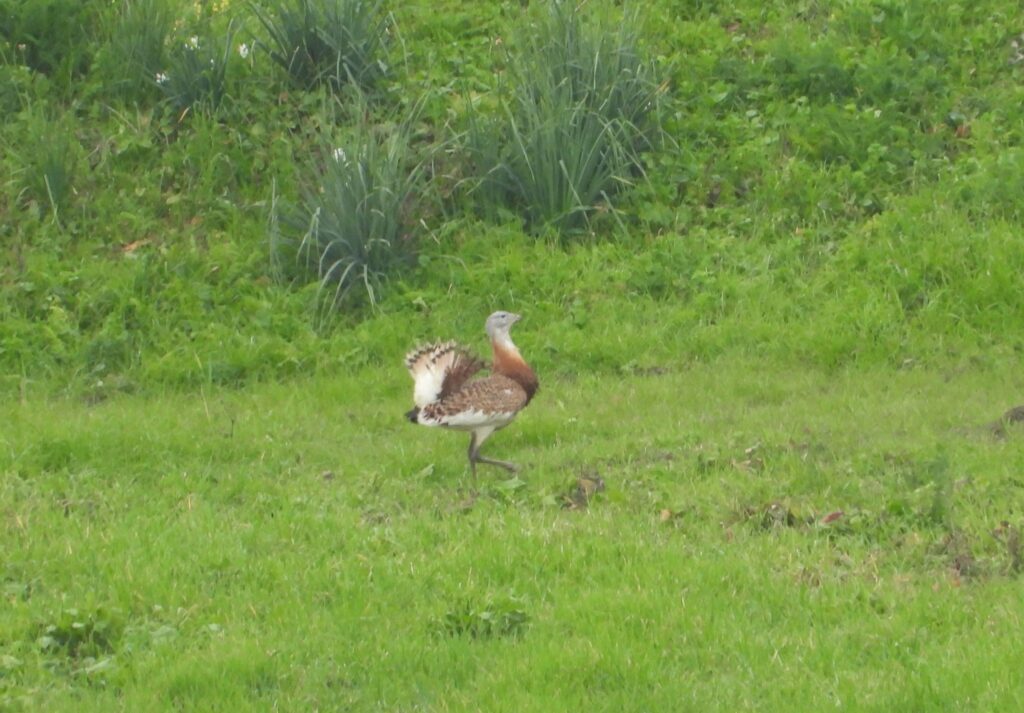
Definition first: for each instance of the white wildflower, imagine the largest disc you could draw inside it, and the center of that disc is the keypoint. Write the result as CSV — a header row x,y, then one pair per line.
x,y
193,43
161,78
243,50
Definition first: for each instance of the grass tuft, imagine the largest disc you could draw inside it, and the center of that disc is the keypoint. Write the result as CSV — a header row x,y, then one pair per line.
x,y
196,78
135,52
356,224
581,108
332,42
48,157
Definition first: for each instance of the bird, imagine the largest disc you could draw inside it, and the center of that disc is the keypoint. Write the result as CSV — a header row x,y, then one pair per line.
x,y
446,394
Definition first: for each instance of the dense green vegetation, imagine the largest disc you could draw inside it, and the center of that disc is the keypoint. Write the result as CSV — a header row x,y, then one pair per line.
x,y
834,185
769,259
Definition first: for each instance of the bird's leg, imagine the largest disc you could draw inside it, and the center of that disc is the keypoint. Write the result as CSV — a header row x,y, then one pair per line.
x,y
473,456
510,467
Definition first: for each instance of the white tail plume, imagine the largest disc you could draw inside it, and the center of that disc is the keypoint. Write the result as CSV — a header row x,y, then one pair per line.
x,y
434,367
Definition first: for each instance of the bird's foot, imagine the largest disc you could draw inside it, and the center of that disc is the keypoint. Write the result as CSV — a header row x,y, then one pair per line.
x,y
510,467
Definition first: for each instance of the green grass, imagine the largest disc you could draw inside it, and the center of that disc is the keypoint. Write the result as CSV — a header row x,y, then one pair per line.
x,y
777,353
303,547
842,196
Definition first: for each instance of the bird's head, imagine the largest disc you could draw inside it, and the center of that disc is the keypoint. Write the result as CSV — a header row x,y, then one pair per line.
x,y
500,324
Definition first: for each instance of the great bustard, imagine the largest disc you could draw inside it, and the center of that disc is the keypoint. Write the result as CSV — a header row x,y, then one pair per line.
x,y
446,394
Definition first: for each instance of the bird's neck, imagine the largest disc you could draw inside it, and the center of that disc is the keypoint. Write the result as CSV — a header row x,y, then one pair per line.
x,y
503,340
506,354
509,362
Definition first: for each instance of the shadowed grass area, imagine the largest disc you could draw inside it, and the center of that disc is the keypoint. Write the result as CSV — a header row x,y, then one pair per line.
x,y
763,537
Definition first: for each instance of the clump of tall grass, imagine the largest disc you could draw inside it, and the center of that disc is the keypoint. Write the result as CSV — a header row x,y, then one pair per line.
x,y
53,37
332,42
356,224
196,77
135,52
47,155
579,107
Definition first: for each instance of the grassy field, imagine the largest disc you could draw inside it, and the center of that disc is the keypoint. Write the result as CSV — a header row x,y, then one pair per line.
x,y
765,539
768,256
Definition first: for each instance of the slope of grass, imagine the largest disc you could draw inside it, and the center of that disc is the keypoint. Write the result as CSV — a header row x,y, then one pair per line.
x,y
764,539
835,186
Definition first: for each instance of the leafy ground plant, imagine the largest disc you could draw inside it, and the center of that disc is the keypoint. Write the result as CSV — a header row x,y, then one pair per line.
x,y
494,617
75,634
581,107
333,42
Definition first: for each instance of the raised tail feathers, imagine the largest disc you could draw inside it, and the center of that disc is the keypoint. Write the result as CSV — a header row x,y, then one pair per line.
x,y
439,370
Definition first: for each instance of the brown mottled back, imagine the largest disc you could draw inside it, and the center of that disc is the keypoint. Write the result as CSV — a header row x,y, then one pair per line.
x,y
494,395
